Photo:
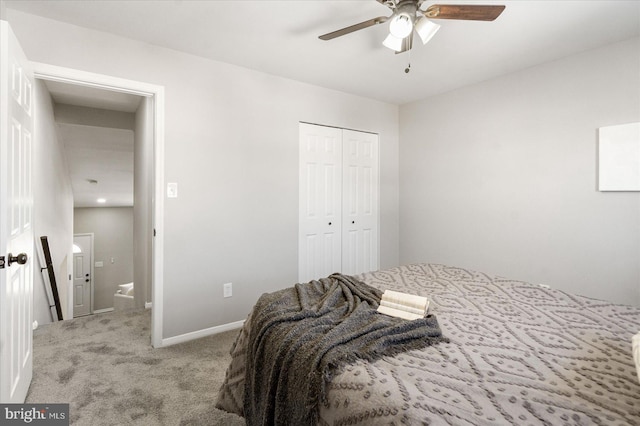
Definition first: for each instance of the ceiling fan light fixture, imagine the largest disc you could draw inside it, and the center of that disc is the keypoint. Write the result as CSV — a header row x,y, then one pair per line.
x,y
426,29
401,25
409,15
393,43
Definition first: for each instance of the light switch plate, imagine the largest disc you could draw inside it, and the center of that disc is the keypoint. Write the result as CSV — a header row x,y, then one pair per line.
x,y
227,289
172,190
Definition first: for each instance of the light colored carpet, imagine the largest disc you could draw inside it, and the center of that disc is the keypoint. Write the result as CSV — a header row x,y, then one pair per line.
x,y
105,368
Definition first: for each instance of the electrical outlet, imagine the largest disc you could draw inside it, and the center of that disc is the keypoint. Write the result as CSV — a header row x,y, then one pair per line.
x,y
227,289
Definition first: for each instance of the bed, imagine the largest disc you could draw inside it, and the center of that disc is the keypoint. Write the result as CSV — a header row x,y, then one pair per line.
x,y
518,354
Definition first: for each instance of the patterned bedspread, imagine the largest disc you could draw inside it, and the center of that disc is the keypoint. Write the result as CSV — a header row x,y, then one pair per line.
x,y
519,354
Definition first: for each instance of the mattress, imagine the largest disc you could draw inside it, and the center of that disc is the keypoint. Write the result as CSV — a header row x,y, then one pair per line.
x,y
518,354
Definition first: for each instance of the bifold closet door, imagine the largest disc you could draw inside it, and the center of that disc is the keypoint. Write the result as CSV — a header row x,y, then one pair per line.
x,y
338,223
320,232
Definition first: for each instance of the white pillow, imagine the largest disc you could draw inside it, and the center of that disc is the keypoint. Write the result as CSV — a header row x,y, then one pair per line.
x,y
635,343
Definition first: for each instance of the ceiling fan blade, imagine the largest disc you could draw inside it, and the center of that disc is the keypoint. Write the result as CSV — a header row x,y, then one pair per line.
x,y
464,12
352,28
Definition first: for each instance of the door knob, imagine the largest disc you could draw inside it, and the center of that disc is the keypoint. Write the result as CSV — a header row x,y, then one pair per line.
x,y
87,280
20,259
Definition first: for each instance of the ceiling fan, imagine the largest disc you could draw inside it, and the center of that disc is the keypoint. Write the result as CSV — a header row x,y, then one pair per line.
x,y
408,17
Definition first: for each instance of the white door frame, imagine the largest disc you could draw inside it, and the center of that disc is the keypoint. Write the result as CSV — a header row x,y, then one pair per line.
x,y
100,81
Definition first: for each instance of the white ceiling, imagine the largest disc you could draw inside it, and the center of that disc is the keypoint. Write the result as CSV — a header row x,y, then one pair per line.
x,y
91,97
100,154
281,38
93,153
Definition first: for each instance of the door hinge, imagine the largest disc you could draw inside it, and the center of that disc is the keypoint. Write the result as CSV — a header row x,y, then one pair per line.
x,y
154,232
1,262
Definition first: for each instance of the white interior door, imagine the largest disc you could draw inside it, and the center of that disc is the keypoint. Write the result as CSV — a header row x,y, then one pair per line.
x,y
320,231
16,228
82,276
359,202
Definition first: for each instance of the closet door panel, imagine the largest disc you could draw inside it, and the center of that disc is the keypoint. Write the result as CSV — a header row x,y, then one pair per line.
x,y
360,197
320,215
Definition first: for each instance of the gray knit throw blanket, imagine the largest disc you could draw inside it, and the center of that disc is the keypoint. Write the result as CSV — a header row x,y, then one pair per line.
x,y
300,336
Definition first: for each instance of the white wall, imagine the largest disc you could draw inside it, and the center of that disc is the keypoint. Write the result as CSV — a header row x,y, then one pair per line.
x,y
232,147
96,117
501,176
53,205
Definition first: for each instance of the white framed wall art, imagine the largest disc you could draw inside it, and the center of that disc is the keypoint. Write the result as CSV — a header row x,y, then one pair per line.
x,y
619,157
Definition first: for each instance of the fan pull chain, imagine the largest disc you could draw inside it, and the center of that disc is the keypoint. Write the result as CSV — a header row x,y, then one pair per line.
x,y
408,68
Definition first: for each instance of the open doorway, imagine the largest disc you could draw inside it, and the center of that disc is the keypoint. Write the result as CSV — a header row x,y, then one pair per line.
x,y
97,131
91,101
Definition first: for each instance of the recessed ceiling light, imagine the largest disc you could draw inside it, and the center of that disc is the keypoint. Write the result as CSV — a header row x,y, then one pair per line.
x,y
101,200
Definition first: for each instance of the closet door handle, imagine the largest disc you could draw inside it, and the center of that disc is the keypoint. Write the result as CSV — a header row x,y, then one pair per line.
x,y
329,223
353,221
